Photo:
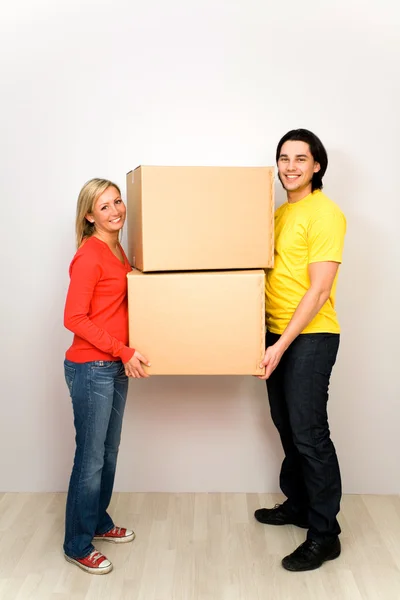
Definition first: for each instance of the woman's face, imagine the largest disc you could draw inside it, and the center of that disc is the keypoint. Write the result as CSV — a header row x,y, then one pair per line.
x,y
109,212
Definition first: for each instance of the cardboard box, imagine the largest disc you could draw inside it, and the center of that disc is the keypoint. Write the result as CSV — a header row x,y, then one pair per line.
x,y
200,218
205,323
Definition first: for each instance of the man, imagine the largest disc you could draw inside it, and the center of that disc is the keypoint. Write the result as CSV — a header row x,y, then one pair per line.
x,y
302,342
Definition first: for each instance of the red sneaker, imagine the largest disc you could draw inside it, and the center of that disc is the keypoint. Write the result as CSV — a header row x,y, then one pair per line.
x,y
117,535
96,563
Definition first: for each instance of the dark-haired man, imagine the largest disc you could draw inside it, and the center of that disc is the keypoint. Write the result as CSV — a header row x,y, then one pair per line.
x,y
302,343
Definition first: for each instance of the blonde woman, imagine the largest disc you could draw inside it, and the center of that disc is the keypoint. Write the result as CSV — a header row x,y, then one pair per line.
x,y
97,367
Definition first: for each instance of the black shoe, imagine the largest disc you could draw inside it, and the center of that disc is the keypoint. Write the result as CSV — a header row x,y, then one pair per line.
x,y
310,555
279,516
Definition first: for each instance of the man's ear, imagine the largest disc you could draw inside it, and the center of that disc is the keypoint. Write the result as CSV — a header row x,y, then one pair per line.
x,y
317,167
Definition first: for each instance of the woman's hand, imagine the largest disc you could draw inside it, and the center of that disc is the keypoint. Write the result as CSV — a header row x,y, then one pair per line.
x,y
133,368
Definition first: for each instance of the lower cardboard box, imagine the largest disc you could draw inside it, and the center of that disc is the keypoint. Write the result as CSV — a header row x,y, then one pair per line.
x,y
198,323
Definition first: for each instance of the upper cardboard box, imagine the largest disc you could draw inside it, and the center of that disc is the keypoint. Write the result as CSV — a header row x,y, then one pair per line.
x,y
200,218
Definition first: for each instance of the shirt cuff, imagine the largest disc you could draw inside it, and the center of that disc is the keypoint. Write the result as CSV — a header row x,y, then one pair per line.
x,y
126,354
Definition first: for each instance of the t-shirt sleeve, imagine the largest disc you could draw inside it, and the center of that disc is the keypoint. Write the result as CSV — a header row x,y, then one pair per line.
x,y
326,237
85,273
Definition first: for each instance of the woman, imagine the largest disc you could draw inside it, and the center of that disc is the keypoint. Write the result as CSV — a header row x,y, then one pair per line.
x,y
97,368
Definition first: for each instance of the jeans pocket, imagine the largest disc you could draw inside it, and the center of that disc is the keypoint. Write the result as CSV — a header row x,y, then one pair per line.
x,y
69,373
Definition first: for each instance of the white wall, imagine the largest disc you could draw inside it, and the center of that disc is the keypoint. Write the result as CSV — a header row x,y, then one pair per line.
x,y
89,89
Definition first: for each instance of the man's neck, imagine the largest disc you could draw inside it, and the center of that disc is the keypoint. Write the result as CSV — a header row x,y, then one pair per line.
x,y
296,196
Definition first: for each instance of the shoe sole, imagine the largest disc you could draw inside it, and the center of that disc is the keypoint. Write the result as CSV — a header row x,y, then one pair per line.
x,y
283,524
330,557
302,525
124,540
96,571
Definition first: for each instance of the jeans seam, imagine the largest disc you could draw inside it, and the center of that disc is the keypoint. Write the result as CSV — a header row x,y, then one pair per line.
x,y
84,453
325,471
313,395
112,376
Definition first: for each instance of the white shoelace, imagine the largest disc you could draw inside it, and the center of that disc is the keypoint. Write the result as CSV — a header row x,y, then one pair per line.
x,y
94,556
116,530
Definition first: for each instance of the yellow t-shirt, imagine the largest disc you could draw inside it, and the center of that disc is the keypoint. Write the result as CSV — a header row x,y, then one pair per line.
x,y
308,231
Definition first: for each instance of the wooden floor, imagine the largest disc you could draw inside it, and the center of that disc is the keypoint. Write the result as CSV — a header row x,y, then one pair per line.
x,y
197,547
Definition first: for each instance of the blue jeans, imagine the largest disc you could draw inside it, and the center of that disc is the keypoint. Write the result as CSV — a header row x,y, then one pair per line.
x,y
98,390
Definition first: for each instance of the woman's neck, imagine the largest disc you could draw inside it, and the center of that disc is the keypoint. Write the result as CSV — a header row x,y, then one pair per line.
x,y
111,239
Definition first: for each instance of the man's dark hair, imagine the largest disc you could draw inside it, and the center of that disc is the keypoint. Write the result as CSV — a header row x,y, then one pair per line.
x,y
317,150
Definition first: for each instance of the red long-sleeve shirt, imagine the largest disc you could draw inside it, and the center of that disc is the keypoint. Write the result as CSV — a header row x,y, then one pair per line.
x,y
96,309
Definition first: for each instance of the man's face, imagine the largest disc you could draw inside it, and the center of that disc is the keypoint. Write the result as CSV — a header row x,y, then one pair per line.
x,y
296,166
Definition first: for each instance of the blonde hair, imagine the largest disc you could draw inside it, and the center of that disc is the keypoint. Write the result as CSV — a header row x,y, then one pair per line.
x,y
86,199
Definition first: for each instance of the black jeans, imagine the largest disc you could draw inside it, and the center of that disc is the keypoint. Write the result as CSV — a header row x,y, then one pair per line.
x,y
298,396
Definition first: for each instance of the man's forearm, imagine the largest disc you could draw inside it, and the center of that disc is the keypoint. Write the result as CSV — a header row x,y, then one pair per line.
x,y
309,306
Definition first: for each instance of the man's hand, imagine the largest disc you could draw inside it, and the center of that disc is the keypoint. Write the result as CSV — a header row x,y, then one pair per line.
x,y
273,355
133,368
